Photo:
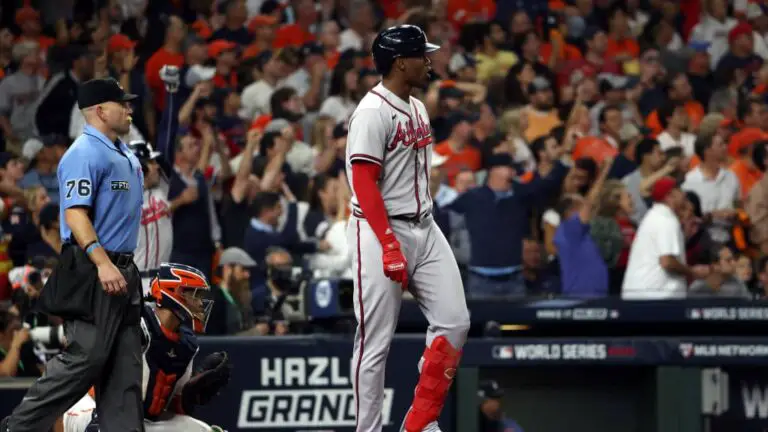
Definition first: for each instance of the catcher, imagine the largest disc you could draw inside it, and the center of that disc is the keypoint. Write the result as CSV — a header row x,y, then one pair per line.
x,y
180,309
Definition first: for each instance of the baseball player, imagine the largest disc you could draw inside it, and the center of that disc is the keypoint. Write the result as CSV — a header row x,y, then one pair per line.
x,y
171,391
156,232
395,242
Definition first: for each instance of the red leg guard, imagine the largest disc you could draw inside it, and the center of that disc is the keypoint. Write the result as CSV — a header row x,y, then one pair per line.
x,y
437,373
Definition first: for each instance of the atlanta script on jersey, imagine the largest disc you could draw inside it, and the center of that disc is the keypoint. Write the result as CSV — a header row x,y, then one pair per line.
x,y
395,134
156,232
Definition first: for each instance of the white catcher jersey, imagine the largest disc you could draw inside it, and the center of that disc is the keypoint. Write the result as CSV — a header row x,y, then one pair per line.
x,y
395,134
156,231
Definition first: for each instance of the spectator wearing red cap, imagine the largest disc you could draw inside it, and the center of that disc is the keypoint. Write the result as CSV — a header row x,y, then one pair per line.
x,y
122,67
741,53
235,17
717,187
263,28
224,54
28,20
657,266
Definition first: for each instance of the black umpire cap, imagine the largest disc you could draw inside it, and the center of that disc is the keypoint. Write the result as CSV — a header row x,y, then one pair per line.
x,y
101,90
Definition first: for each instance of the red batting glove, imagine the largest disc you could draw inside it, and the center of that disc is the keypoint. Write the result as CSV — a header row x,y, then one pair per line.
x,y
395,264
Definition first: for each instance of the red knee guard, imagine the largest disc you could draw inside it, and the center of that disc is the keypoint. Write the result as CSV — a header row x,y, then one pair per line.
x,y
437,372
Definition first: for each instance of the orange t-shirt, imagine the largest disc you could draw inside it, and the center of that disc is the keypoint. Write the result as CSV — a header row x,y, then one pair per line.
x,y
744,139
156,62
224,82
292,35
540,124
622,47
468,158
694,110
593,147
567,52
747,175
332,59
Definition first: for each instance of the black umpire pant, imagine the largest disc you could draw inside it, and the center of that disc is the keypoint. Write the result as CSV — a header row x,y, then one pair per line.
x,y
103,351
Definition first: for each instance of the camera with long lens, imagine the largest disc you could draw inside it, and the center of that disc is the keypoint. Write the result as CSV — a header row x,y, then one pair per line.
x,y
27,282
291,282
287,279
52,337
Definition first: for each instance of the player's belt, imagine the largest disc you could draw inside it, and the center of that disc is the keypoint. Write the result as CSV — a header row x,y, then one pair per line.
x,y
410,218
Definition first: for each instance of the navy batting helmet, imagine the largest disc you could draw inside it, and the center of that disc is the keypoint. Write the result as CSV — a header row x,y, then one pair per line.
x,y
143,152
399,41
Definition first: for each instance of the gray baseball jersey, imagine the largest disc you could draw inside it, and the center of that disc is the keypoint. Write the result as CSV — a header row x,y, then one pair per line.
x,y
396,134
156,232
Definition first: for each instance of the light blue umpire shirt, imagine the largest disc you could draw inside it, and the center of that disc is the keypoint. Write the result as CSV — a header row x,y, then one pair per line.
x,y
106,177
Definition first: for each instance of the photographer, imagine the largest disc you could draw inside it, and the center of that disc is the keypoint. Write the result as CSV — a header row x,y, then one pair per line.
x,y
280,283
17,359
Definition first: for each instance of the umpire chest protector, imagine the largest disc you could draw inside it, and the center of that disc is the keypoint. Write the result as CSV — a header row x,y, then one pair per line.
x,y
167,357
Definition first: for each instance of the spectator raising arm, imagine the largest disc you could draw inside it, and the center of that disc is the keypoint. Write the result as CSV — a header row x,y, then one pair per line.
x,y
185,113
209,141
585,213
271,177
169,122
242,182
312,97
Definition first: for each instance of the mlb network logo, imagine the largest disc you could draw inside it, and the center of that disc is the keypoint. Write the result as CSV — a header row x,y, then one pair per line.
x,y
686,350
504,352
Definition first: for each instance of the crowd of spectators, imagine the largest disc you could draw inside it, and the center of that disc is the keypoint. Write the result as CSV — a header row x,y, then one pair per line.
x,y
581,148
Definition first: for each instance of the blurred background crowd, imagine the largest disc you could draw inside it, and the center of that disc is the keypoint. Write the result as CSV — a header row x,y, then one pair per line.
x,y
583,148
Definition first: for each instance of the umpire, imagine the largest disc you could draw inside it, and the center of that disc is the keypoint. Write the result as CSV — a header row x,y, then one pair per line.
x,y
96,287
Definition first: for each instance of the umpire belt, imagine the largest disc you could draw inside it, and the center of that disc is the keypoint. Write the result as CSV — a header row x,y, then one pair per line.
x,y
120,259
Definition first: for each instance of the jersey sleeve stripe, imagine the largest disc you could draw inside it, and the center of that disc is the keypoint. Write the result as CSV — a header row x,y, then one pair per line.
x,y
365,158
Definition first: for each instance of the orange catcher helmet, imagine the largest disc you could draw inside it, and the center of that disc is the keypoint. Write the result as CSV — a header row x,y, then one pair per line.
x,y
185,291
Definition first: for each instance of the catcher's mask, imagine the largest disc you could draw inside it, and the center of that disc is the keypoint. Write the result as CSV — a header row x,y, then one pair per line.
x,y
185,291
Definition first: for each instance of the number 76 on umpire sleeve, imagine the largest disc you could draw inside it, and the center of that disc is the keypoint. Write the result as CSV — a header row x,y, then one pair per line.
x,y
80,186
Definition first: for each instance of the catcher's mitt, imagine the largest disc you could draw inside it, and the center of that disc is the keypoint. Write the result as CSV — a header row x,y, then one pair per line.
x,y
207,382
